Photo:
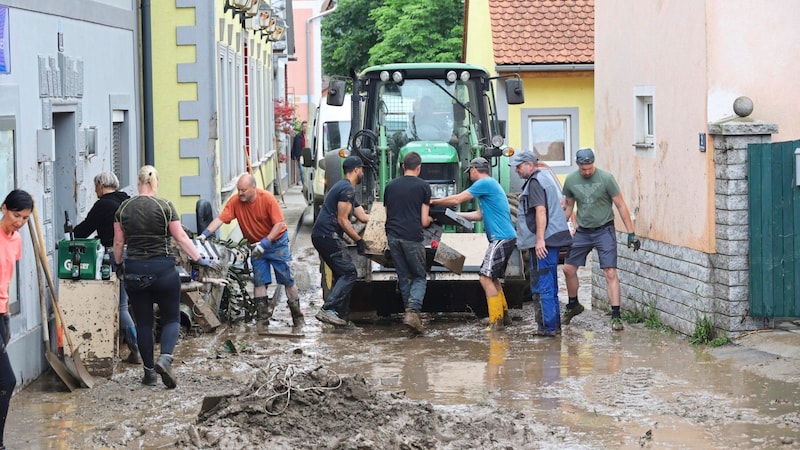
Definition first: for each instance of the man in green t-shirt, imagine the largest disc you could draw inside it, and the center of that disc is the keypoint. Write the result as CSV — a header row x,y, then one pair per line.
x,y
594,191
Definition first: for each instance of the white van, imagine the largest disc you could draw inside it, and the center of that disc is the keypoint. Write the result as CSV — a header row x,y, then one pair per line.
x,y
330,132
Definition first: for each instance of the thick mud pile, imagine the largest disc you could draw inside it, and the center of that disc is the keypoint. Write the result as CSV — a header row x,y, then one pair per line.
x,y
291,403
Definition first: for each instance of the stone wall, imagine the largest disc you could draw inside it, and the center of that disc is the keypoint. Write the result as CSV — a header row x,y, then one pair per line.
x,y
685,285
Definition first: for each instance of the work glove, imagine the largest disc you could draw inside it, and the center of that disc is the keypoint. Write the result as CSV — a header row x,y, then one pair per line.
x,y
361,246
633,241
260,248
120,271
203,236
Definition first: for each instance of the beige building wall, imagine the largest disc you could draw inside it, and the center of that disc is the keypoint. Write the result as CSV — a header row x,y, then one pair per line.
x,y
478,48
669,189
698,57
752,52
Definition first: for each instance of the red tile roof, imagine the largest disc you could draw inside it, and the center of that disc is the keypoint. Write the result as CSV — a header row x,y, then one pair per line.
x,y
542,31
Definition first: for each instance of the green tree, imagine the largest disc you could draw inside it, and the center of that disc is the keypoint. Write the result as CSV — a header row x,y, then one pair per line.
x,y
347,35
418,31
362,33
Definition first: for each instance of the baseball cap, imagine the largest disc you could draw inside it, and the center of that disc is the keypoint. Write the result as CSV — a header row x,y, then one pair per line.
x,y
584,156
523,157
350,163
478,163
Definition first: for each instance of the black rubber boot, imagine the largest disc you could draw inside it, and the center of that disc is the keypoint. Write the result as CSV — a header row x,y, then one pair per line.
x,y
149,378
164,368
134,357
298,321
266,306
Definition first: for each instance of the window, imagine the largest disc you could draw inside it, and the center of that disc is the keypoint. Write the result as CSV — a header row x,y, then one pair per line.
x,y
7,184
644,118
552,133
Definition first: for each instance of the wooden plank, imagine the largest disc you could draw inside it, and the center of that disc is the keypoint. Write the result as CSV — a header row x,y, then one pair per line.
x,y
203,314
794,309
756,154
784,287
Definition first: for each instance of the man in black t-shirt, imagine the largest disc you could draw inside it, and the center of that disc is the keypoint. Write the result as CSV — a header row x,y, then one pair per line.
x,y
333,221
407,201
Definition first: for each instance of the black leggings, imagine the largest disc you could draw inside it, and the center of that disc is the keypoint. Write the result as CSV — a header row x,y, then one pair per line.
x,y
148,282
7,378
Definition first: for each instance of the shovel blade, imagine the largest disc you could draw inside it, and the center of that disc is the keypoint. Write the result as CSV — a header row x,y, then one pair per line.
x,y
75,366
62,372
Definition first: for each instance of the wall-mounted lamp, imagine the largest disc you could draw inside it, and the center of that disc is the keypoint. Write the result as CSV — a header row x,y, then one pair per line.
x,y
265,15
280,29
797,166
241,4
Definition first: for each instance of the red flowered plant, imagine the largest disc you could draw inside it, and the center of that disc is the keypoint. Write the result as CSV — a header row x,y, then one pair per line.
x,y
284,116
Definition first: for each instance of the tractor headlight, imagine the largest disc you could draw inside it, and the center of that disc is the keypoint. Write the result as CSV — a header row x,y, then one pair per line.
x,y
442,190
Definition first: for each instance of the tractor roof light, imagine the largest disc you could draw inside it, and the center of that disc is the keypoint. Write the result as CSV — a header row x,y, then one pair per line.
x,y
497,140
384,75
465,76
397,77
451,76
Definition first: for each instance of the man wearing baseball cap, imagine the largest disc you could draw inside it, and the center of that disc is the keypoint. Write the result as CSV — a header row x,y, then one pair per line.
x,y
496,216
594,191
327,237
542,230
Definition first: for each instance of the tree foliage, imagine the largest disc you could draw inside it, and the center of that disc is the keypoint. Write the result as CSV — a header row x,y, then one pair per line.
x,y
418,31
347,35
361,33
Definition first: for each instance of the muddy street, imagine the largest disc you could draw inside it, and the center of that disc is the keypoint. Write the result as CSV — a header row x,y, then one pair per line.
x,y
456,387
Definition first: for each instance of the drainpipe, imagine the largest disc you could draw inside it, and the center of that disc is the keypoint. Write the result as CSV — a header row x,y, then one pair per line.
x,y
308,56
147,83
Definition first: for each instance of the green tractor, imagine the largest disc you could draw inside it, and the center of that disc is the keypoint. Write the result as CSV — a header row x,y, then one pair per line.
x,y
446,112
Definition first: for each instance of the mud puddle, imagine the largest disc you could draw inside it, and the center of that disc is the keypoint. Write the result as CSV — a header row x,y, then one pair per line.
x,y
456,387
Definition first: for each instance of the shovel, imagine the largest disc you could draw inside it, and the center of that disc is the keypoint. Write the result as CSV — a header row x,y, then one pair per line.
x,y
52,358
72,361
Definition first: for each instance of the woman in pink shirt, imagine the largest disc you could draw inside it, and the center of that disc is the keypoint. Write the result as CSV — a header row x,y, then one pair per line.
x,y
16,210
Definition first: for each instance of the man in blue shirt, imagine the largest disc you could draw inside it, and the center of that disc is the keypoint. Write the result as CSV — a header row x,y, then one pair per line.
x,y
496,216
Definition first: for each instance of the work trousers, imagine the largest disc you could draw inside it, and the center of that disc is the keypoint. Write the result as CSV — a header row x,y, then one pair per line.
x,y
148,282
546,285
409,262
333,251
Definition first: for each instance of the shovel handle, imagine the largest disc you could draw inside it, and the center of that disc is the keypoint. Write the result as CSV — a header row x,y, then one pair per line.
x,y
49,275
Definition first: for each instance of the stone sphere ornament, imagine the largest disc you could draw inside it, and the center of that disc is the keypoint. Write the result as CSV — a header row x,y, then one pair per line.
x,y
743,106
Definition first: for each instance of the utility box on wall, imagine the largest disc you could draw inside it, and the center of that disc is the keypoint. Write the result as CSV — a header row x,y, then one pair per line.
x,y
91,309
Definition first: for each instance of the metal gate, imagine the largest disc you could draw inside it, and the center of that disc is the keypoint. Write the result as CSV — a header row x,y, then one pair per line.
x,y
774,218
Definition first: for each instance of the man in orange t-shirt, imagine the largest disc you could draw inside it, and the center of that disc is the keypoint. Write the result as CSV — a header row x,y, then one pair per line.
x,y
261,221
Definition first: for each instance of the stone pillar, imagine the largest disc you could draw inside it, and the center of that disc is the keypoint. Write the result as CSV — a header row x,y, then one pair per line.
x,y
730,264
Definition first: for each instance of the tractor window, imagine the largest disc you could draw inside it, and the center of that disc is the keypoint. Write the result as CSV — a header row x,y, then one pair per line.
x,y
428,110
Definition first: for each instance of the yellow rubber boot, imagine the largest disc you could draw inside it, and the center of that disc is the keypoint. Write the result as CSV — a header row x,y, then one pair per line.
x,y
506,316
495,306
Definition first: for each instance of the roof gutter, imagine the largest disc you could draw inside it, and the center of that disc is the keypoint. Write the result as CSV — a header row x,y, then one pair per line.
x,y
308,53
545,68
